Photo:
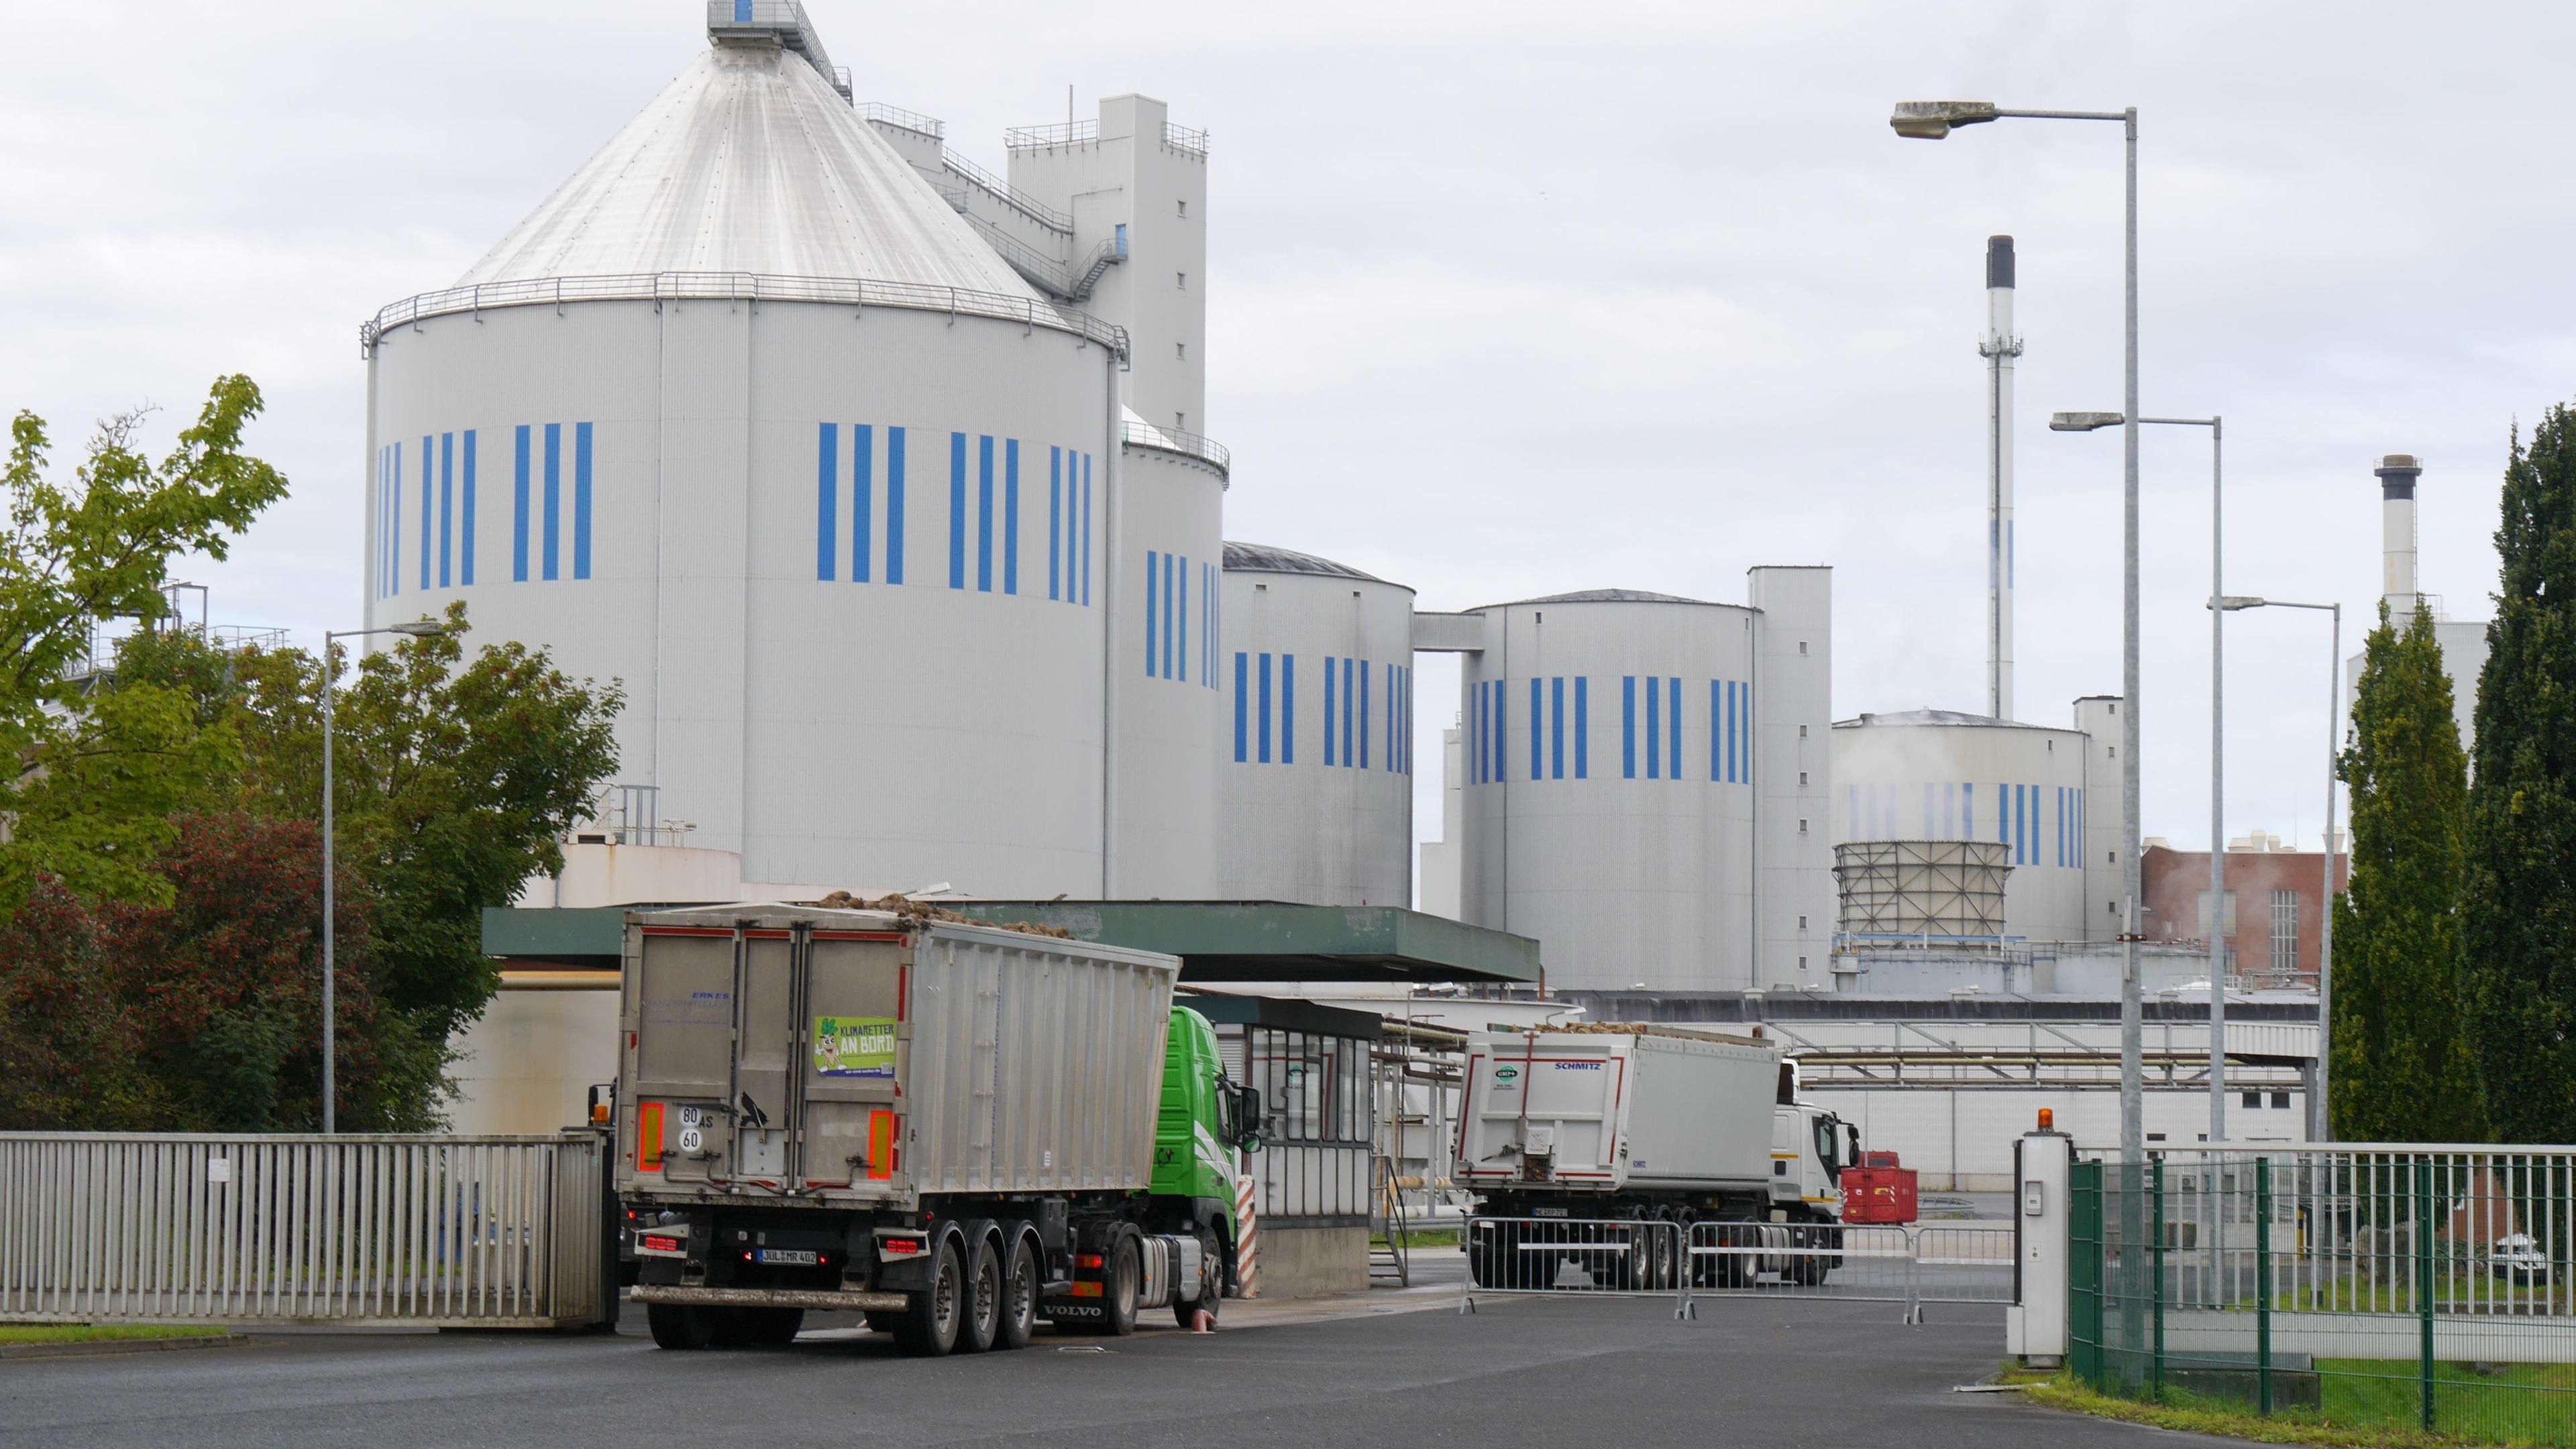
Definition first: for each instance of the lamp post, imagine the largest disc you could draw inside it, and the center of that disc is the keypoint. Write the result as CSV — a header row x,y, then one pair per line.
x,y
417,629
1932,121
2085,423
2320,1124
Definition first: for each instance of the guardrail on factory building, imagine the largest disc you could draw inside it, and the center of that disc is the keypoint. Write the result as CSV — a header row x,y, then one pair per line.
x,y
1911,1265
355,1230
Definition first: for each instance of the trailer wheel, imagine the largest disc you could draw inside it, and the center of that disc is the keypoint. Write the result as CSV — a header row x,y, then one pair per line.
x,y
773,1327
678,1325
1118,1288
1489,1255
928,1325
1019,1315
981,1324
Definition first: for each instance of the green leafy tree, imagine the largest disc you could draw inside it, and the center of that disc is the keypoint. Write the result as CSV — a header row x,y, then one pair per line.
x,y
2519,908
92,778
2402,1066
454,780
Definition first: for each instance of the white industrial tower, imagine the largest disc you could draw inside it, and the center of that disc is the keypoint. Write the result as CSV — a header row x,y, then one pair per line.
x,y
1999,347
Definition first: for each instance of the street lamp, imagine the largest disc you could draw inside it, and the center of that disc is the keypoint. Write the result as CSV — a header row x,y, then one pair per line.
x,y
2320,1125
1931,121
417,629
2085,423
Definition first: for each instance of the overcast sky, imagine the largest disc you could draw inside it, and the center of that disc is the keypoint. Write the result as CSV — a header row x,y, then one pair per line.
x,y
1505,299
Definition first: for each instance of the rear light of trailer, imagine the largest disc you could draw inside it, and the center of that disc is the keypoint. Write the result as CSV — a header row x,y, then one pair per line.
x,y
1087,1260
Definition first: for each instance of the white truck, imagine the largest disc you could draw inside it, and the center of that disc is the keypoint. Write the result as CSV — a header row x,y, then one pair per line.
x,y
1607,1126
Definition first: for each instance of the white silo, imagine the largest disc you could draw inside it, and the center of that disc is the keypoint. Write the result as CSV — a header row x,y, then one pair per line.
x,y
1317,673
1938,775
746,416
1165,680
1624,753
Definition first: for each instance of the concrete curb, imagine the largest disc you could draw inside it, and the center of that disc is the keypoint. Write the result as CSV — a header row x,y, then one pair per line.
x,y
95,1347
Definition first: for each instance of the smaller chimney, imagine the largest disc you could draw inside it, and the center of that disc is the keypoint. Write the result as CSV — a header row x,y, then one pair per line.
x,y
2397,474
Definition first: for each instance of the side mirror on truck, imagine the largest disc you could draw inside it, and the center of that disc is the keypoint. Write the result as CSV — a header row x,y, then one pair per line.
x,y
1247,1117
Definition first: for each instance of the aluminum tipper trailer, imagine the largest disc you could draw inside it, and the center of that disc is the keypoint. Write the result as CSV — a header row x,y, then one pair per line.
x,y
1653,1124
955,1129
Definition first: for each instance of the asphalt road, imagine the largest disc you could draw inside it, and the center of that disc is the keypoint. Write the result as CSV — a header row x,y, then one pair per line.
x,y
1524,1372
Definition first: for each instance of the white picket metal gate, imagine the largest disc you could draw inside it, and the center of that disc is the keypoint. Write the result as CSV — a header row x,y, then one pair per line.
x,y
361,1230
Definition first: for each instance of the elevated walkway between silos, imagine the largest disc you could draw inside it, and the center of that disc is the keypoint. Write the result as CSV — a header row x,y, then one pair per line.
x,y
1035,239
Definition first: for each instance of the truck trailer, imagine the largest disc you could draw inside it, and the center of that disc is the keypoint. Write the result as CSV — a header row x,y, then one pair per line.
x,y
1649,1124
954,1129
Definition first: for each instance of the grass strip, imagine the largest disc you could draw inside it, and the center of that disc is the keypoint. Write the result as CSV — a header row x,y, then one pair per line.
x,y
100,1332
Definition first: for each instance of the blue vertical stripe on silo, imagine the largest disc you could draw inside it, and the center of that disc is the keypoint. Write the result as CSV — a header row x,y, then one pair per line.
x,y
827,496
446,506
1010,515
1654,727
1556,728
518,511
1350,748
465,545
1169,614
1287,709
863,457
742,12
1673,739
894,505
1265,709
1364,714
1405,735
1583,727
549,549
1183,613
1628,726
956,510
1716,730
984,512
1967,810
581,500
1331,693
1149,623
1949,811
1242,704
428,481
1745,736
1055,522
1086,530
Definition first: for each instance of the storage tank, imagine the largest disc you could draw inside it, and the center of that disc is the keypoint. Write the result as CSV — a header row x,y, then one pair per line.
x,y
745,416
1165,680
1937,775
1317,732
1623,750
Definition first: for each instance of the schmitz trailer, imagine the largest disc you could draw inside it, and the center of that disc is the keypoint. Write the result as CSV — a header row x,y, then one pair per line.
x,y
954,1129
1650,1124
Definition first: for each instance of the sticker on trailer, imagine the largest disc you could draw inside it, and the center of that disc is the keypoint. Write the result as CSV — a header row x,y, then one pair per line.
x,y
854,1046
1506,1078
690,1140
1577,1066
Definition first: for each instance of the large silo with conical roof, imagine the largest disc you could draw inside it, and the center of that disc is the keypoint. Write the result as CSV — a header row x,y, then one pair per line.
x,y
747,416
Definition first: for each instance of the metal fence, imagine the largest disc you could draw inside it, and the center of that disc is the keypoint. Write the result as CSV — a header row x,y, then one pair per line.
x,y
2424,1287
485,1232
1912,1265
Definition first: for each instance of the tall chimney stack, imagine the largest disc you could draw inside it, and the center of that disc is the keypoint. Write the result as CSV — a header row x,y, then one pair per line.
x,y
2397,474
1999,347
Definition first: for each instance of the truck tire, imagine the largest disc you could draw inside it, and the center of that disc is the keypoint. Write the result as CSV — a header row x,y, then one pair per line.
x,y
981,1323
1121,1278
929,1322
1489,1255
678,1325
773,1327
1020,1279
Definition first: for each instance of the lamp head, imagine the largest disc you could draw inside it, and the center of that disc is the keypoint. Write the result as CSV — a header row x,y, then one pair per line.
x,y
2233,602
418,629
2083,422
1932,120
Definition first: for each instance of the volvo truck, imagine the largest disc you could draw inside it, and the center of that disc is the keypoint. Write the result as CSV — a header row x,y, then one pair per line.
x,y
1608,1125
954,1129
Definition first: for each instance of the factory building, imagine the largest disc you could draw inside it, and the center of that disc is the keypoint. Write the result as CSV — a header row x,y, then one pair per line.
x,y
1317,733
1646,781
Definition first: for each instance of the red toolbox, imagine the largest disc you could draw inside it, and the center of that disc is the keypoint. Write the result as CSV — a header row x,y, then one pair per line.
x,y
1881,1193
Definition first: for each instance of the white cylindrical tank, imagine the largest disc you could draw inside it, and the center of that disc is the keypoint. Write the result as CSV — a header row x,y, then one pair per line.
x,y
1317,732
1610,787
1164,679
746,417
1937,775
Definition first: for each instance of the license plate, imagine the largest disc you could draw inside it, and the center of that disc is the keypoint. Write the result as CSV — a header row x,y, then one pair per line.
x,y
1547,1212
791,1257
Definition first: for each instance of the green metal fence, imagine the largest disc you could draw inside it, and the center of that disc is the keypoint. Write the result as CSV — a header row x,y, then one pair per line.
x,y
2404,1286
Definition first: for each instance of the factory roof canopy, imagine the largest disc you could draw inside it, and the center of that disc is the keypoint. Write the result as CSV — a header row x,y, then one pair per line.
x,y
1613,596
1216,940
749,161
1261,558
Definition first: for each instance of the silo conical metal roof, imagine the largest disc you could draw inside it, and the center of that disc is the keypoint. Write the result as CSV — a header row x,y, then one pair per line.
x,y
748,161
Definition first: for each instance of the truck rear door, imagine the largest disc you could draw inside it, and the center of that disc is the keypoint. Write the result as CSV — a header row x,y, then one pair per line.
x,y
680,1020
855,1036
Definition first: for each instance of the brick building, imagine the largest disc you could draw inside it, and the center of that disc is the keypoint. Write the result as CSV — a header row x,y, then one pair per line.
x,y
2275,899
